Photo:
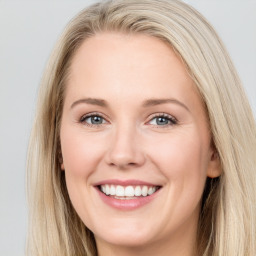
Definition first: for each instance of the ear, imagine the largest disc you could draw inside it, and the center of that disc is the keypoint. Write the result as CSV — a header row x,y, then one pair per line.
x,y
62,167
60,158
214,166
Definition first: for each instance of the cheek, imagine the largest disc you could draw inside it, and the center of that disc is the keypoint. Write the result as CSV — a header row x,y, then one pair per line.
x,y
180,152
81,152
81,155
183,159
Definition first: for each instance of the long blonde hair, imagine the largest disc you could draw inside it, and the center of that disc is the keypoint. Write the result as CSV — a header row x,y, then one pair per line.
x,y
227,225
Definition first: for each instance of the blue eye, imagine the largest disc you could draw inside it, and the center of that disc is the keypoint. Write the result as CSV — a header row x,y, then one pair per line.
x,y
93,119
163,120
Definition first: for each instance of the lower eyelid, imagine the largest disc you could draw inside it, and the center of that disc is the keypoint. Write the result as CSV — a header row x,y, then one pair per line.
x,y
170,123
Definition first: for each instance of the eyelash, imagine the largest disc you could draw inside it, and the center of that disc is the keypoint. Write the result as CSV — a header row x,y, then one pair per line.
x,y
90,115
172,121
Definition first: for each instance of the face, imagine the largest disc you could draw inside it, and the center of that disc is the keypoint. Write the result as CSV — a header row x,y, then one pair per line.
x,y
135,142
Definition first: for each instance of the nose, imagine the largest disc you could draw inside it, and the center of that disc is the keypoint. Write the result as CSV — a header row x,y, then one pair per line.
x,y
125,150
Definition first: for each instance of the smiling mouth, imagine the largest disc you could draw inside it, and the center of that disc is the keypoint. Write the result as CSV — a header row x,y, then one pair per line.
x,y
127,192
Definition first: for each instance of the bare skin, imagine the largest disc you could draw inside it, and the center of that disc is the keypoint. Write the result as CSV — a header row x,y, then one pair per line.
x,y
132,112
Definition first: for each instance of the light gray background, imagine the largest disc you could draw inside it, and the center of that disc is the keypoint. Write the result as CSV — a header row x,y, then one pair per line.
x,y
28,31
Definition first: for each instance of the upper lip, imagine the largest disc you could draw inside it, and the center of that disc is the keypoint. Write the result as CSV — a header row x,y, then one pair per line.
x,y
125,182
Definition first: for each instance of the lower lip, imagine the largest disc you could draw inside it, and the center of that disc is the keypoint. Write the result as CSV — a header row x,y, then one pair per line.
x,y
127,204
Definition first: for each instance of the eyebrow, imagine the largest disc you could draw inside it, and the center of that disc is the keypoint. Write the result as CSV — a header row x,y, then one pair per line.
x,y
92,101
146,103
154,102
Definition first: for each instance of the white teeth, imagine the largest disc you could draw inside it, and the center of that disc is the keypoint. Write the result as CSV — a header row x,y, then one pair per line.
x,y
107,189
137,191
150,191
144,191
112,191
127,192
119,191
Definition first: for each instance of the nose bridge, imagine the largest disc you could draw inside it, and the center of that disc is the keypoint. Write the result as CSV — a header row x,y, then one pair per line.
x,y
124,148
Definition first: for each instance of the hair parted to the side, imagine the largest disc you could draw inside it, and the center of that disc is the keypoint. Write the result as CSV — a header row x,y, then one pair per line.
x,y
227,224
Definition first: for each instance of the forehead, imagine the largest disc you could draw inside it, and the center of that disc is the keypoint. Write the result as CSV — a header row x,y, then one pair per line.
x,y
128,65
129,50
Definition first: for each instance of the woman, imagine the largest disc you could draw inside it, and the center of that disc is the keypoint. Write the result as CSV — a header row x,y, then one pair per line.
x,y
144,141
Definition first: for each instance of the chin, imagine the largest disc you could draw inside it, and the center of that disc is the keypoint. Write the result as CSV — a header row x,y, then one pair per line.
x,y
127,236
128,240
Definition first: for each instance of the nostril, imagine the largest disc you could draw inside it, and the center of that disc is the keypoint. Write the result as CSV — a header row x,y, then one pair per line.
x,y
124,153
